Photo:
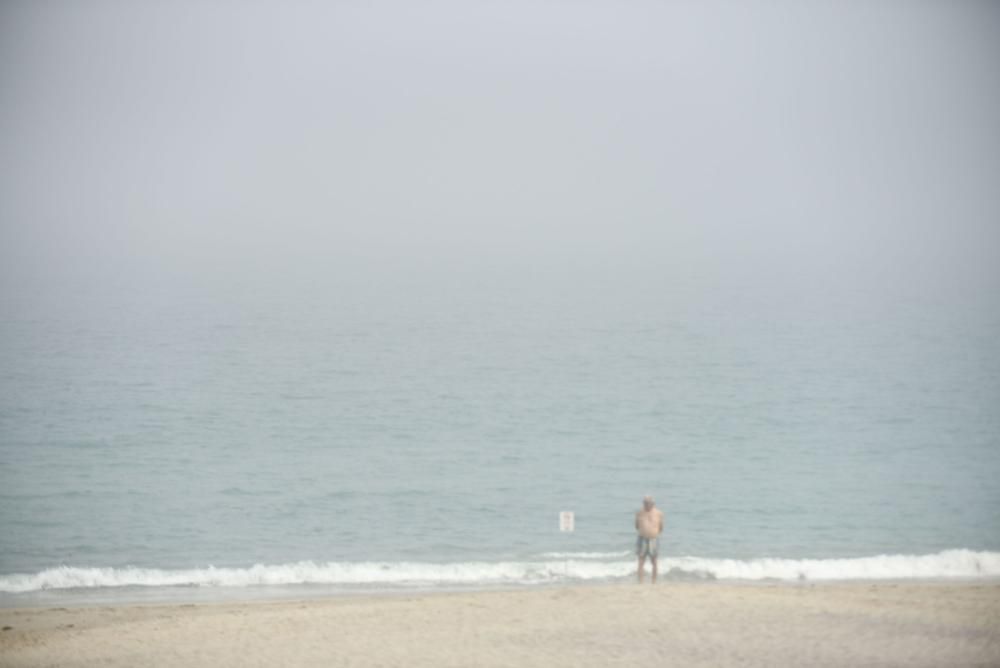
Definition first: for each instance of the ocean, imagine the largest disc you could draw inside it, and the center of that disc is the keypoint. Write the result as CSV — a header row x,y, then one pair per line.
x,y
427,434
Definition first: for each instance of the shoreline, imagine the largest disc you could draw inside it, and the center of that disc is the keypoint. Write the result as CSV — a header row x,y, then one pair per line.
x,y
138,595
685,623
155,596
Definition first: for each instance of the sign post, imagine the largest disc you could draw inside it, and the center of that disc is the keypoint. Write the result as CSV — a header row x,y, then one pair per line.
x,y
567,524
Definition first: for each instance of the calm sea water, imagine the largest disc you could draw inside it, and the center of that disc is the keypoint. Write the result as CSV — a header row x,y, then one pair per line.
x,y
432,433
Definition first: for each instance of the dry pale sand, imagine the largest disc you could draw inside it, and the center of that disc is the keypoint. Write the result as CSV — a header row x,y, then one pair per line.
x,y
667,625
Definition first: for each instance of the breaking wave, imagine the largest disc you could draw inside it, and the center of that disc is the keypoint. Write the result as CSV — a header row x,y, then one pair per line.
x,y
554,567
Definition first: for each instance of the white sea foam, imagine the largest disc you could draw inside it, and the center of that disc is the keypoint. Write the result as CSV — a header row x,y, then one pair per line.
x,y
948,564
307,572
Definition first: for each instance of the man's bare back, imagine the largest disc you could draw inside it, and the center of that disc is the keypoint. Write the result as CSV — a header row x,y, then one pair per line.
x,y
649,522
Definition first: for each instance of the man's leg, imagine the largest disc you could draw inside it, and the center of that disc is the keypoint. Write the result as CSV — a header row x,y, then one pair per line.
x,y
642,563
652,561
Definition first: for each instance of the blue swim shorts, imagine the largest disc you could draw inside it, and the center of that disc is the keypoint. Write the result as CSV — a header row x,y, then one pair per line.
x,y
647,547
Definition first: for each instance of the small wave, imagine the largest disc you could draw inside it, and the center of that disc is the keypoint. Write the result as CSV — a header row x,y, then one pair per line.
x,y
307,572
947,564
574,566
242,491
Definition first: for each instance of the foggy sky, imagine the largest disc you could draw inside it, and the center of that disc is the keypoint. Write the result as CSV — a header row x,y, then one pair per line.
x,y
158,142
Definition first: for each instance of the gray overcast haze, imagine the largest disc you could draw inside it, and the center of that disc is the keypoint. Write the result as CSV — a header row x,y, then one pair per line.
x,y
807,143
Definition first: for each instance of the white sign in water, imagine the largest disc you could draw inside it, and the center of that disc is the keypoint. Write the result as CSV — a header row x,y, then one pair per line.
x,y
566,520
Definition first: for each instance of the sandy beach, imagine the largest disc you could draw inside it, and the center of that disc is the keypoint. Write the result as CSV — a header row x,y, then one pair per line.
x,y
688,624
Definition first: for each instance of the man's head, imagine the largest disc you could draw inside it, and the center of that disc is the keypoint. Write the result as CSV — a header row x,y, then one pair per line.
x,y
647,502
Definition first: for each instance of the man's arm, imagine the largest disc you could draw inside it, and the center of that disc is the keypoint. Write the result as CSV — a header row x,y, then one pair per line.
x,y
661,522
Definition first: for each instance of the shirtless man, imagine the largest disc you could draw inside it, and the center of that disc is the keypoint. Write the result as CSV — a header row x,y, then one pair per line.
x,y
649,524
